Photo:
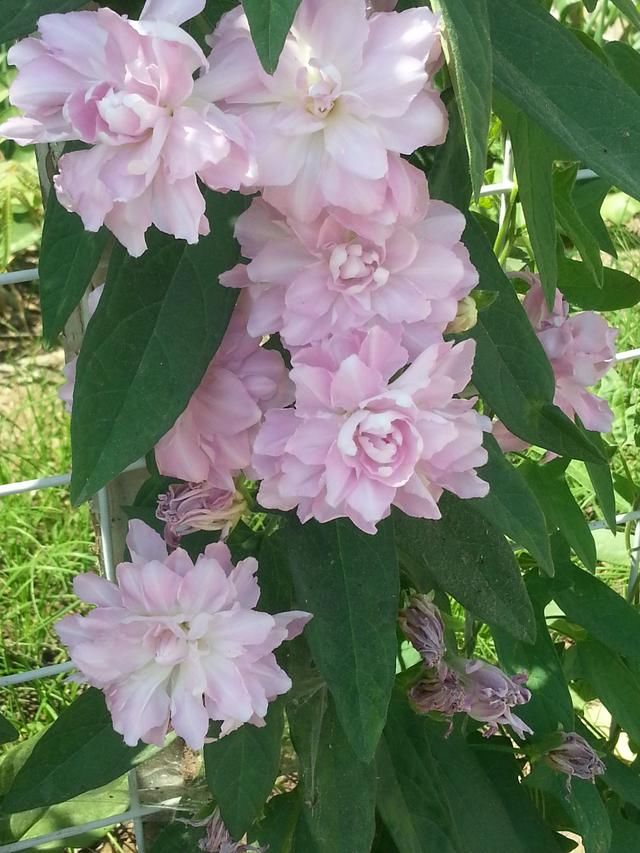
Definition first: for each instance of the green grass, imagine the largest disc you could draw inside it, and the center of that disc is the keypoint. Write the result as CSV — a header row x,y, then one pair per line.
x,y
44,543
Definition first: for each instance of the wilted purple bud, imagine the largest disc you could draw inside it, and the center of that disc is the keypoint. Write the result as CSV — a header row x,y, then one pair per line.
x,y
422,625
188,507
218,840
575,757
441,691
491,694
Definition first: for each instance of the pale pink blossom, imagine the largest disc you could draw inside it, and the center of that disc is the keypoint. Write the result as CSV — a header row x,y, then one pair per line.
x,y
189,507
490,695
349,91
174,645
359,441
65,392
212,439
126,89
307,281
581,349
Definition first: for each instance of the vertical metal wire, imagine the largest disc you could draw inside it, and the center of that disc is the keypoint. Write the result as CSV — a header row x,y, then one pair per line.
x,y
507,178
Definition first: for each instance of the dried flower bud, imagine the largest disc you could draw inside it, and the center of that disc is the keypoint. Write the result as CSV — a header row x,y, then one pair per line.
x,y
575,757
440,691
422,625
491,694
218,840
466,317
188,507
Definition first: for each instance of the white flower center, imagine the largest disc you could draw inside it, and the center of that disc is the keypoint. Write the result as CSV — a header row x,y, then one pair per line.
x,y
320,85
354,268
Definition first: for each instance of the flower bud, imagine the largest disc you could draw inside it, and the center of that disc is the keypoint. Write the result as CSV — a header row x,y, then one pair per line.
x,y
466,317
188,507
422,625
217,839
440,691
491,694
575,757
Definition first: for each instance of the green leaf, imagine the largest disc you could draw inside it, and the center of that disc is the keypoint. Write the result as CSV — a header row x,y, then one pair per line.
x,y
626,835
69,256
464,555
588,197
560,507
533,162
582,803
589,602
511,371
20,17
546,72
8,732
467,32
449,178
602,482
178,836
277,829
270,22
159,322
571,223
242,767
623,779
339,790
512,507
550,702
628,8
626,60
80,751
349,581
619,290
616,684
410,802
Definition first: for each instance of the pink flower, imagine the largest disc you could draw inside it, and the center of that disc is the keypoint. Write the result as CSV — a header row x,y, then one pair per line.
x,y
189,507
490,694
307,281
359,441
348,92
211,440
126,89
581,349
177,644
65,392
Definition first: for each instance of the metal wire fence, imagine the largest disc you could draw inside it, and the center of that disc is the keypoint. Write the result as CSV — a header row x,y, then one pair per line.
x,y
137,811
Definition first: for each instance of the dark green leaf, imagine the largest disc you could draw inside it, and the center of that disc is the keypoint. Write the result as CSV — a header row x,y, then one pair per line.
x,y
572,225
20,17
512,507
533,162
349,581
277,829
158,324
626,835
628,8
7,731
560,507
270,22
550,702
588,196
620,777
589,602
339,790
616,684
467,31
511,370
464,555
178,836
241,769
626,60
69,256
602,482
545,71
620,290
449,178
410,802
582,803
79,752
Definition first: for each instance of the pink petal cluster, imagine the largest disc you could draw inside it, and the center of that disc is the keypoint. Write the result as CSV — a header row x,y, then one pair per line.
x,y
351,93
581,349
368,432
176,644
126,89
309,280
212,439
